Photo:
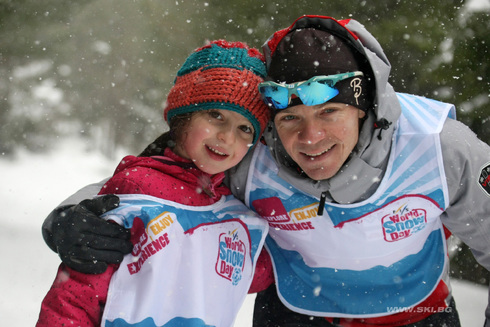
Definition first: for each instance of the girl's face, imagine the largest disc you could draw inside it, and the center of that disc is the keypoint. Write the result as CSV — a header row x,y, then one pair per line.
x,y
215,140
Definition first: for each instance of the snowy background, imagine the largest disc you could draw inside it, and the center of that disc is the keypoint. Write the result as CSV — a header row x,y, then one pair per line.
x,y
32,185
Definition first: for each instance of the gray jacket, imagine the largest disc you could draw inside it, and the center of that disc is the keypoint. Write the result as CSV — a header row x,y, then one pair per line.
x,y
464,155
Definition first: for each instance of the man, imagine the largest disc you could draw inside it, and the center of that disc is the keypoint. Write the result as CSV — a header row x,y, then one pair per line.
x,y
361,186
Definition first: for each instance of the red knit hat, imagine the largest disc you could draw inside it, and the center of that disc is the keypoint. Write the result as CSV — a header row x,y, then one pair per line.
x,y
222,75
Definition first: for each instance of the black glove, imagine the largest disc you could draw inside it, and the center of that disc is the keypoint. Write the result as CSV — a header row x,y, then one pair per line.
x,y
87,243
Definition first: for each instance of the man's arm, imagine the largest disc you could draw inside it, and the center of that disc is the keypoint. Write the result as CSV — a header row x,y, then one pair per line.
x,y
468,216
84,241
87,192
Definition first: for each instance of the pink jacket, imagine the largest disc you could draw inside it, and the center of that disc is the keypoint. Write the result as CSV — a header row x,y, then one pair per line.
x,y
77,299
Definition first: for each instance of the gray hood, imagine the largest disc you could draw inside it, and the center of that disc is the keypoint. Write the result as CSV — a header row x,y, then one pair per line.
x,y
360,175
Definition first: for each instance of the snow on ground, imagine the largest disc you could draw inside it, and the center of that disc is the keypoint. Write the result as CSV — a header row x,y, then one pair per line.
x,y
32,185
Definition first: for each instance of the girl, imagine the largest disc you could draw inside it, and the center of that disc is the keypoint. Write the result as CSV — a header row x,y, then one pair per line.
x,y
195,246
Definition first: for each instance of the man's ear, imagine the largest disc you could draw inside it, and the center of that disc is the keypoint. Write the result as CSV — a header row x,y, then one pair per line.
x,y
362,114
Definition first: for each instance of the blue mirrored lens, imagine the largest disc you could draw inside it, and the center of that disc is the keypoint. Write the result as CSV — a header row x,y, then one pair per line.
x,y
313,93
276,96
310,94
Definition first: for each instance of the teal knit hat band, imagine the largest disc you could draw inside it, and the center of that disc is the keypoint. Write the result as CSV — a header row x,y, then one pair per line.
x,y
214,56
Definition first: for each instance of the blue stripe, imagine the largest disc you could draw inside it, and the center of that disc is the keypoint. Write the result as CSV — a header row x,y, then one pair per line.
x,y
403,284
149,322
414,168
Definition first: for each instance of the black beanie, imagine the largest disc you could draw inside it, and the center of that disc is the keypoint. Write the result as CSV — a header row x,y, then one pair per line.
x,y
305,53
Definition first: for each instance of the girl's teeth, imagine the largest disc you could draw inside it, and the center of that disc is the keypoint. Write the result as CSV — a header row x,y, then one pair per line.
x,y
217,152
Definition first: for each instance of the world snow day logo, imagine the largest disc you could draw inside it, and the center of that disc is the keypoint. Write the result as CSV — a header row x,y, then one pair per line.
x,y
231,257
403,222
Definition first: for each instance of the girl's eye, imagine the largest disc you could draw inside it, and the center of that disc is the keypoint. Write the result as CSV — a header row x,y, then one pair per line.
x,y
246,129
215,114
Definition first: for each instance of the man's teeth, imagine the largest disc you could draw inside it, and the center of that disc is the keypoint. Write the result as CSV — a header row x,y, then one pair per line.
x,y
316,154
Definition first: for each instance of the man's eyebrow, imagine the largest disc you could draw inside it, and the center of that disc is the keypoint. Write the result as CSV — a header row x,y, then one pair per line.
x,y
286,110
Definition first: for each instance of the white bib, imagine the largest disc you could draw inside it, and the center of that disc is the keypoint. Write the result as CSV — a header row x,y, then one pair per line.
x,y
190,266
364,259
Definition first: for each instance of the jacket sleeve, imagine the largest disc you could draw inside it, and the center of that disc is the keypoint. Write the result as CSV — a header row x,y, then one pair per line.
x,y
263,276
87,192
468,214
75,299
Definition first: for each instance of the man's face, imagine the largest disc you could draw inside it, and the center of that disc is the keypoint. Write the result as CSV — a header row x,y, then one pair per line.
x,y
319,138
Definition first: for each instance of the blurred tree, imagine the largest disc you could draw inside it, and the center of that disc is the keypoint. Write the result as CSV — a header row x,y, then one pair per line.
x,y
26,110
120,63
115,61
410,32
111,61
464,75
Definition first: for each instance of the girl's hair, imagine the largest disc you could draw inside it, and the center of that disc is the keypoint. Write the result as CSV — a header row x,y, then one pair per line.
x,y
177,126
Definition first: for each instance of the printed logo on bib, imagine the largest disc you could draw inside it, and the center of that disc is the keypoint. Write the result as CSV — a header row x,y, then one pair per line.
x,y
274,212
403,222
150,240
271,209
231,257
484,179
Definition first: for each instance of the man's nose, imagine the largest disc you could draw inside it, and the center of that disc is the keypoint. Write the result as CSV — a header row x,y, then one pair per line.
x,y
311,131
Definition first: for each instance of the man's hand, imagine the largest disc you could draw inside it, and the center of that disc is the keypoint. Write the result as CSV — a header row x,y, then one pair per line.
x,y
87,243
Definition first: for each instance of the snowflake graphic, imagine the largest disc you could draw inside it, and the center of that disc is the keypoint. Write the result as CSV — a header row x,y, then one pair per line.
x,y
237,276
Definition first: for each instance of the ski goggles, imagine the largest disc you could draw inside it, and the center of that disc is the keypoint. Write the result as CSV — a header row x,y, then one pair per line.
x,y
316,90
